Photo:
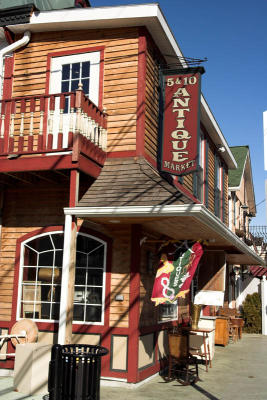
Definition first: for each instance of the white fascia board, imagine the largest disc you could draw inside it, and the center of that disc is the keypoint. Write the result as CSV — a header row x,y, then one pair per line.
x,y
149,15
88,18
199,211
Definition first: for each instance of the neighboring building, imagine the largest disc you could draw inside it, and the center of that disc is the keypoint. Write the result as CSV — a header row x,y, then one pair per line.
x,y
84,207
242,205
242,209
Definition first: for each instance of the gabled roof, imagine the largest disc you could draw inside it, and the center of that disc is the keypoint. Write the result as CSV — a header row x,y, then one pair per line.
x,y
243,171
129,182
240,154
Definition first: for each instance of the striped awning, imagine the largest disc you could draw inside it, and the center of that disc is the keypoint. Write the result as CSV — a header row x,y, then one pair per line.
x,y
258,271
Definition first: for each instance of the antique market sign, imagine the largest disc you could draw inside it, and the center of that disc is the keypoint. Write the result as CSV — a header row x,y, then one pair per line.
x,y
181,91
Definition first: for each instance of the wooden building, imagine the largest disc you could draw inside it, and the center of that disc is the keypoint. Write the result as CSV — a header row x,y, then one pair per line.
x,y
84,208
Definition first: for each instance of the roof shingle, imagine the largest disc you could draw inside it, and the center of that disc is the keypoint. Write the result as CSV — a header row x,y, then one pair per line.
x,y
129,182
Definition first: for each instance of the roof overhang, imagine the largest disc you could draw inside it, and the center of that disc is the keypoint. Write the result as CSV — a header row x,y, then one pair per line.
x,y
191,221
148,15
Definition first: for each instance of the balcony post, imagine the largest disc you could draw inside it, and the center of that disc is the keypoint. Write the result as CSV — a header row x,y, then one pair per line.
x,y
32,110
21,131
41,126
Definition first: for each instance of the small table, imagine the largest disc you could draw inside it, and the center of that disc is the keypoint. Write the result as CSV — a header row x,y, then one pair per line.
x,y
205,332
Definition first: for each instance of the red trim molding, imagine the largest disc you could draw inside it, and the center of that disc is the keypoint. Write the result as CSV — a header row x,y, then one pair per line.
x,y
183,190
9,35
8,78
121,154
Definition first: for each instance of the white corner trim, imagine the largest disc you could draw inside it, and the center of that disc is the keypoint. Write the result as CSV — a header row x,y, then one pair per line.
x,y
64,281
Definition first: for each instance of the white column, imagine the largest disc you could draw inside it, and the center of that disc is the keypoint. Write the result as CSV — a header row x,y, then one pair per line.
x,y
65,280
264,305
239,292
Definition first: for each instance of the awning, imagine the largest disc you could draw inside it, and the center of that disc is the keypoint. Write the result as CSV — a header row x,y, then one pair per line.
x,y
258,271
130,191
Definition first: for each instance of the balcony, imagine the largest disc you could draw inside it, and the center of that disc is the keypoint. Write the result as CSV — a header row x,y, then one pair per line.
x,y
56,131
256,238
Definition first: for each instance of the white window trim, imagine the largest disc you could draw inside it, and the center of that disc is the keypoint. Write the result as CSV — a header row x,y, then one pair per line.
x,y
56,68
22,246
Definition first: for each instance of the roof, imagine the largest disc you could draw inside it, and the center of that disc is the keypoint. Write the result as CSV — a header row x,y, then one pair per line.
x,y
147,15
240,154
15,15
258,271
129,182
44,5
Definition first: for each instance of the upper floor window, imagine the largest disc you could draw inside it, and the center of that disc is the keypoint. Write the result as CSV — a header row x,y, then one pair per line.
x,y
198,178
217,187
40,278
67,72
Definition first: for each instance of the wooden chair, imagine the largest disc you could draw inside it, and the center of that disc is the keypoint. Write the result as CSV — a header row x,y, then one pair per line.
x,y
182,364
233,330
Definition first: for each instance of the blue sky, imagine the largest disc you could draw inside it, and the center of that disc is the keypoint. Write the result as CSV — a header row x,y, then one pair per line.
x,y
233,37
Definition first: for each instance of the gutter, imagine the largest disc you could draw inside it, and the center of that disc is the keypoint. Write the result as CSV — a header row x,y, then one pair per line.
x,y
12,47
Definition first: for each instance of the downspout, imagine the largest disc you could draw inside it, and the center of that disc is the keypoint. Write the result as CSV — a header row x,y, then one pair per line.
x,y
12,47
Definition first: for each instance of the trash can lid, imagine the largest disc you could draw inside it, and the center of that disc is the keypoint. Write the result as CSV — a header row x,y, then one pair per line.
x,y
84,350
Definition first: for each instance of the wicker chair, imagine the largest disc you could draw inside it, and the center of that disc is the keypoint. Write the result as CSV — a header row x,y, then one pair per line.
x,y
182,365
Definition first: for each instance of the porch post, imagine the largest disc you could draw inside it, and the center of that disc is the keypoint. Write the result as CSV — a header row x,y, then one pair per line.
x,y
264,304
67,281
68,266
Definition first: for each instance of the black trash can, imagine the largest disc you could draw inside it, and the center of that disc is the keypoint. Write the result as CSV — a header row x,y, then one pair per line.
x,y
74,372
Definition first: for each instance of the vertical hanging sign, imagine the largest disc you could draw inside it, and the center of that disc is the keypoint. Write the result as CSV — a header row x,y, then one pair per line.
x,y
181,91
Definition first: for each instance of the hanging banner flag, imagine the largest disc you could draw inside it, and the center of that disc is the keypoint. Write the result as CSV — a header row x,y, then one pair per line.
x,y
176,270
180,107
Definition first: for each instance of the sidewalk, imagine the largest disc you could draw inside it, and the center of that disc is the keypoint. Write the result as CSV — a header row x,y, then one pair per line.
x,y
238,372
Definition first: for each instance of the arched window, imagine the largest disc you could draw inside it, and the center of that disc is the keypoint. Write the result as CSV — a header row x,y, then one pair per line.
x,y
40,278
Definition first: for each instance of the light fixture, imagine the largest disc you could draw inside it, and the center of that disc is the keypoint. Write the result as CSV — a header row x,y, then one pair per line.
x,y
220,148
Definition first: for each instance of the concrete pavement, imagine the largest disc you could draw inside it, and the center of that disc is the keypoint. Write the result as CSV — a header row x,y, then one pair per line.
x,y
238,372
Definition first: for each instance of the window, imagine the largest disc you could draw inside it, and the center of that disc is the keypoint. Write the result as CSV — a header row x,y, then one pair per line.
x,y
168,312
40,278
68,71
198,175
217,187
